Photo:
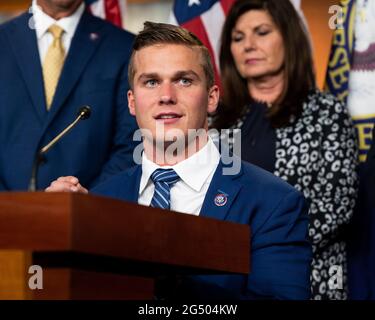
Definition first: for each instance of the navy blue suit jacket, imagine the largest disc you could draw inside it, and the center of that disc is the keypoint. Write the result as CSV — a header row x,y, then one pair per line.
x,y
94,74
277,214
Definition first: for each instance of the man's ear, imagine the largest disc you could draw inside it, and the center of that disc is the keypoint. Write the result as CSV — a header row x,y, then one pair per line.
x,y
213,98
131,102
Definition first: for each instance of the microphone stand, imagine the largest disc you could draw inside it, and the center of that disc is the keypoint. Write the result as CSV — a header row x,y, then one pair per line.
x,y
83,113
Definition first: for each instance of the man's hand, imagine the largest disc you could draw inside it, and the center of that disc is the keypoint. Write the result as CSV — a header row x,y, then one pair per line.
x,y
66,184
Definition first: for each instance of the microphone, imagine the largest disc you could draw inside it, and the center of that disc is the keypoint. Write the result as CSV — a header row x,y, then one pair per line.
x,y
83,114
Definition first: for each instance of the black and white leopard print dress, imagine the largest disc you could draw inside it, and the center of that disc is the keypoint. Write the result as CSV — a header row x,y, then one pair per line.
x,y
317,154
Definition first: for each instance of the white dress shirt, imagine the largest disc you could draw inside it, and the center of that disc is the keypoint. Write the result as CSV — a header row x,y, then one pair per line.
x,y
196,173
44,21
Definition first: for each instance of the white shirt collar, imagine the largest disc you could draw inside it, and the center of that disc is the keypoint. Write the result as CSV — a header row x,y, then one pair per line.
x,y
194,171
43,21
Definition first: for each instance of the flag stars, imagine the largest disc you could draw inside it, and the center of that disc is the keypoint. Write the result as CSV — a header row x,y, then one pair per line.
x,y
193,2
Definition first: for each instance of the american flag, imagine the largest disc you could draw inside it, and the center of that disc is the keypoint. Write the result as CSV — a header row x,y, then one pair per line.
x,y
205,18
110,10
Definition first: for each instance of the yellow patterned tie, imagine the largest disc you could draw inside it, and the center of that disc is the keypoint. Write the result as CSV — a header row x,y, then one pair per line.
x,y
53,63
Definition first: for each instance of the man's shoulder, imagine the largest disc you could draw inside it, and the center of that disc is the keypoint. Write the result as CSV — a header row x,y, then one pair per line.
x,y
21,19
112,30
255,178
259,194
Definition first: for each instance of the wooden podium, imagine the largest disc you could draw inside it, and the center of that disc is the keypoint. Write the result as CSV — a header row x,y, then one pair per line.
x,y
93,247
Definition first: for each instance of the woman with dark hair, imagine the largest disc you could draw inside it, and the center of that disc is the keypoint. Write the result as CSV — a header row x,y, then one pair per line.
x,y
289,127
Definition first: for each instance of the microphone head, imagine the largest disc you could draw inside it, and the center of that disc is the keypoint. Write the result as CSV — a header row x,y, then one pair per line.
x,y
84,112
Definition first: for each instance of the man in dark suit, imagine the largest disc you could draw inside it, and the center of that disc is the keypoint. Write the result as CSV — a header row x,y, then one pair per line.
x,y
172,89
53,61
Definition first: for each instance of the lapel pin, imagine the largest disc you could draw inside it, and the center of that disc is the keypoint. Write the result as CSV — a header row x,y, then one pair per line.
x,y
94,36
221,199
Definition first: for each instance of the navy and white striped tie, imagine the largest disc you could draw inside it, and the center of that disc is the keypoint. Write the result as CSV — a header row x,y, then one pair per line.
x,y
163,180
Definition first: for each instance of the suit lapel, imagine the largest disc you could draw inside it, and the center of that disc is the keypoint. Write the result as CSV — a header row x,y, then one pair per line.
x,y
222,192
84,44
23,42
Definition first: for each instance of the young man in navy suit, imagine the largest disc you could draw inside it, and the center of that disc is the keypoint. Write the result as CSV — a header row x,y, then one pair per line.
x,y
54,60
172,89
